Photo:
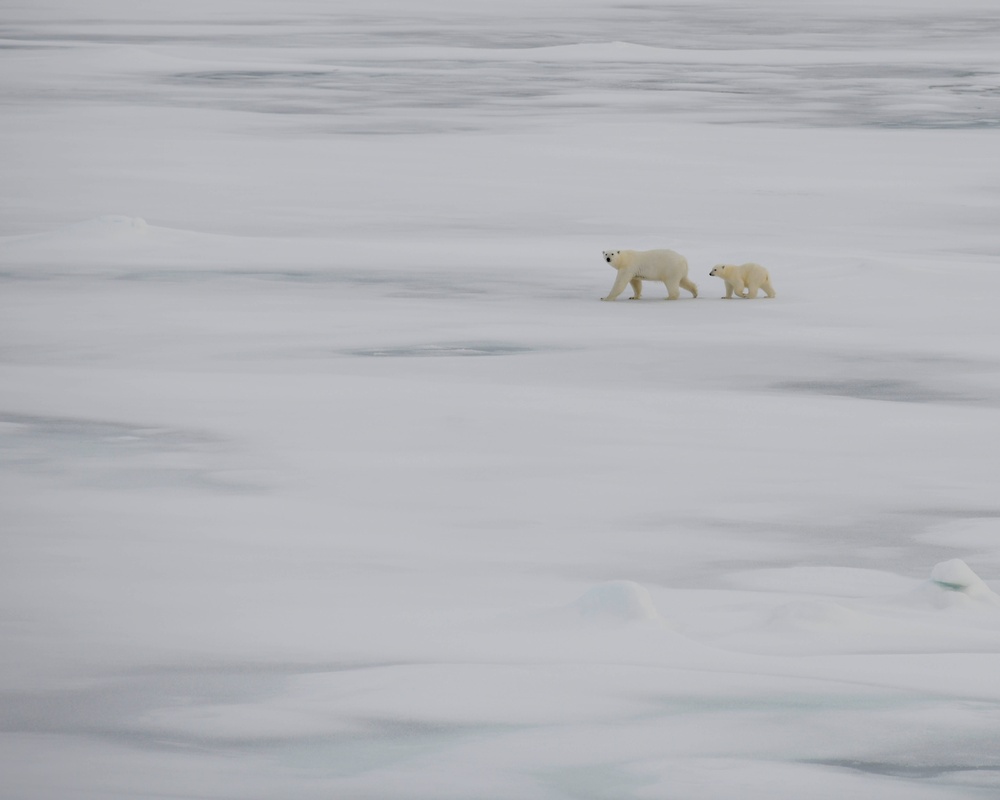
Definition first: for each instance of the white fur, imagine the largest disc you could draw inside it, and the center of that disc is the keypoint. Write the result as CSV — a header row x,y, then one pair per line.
x,y
752,277
636,266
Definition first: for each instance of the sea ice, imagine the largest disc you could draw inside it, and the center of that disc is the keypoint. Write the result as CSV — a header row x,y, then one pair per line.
x,y
299,480
622,600
955,577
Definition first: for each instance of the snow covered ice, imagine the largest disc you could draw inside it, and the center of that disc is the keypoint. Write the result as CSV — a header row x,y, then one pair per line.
x,y
325,473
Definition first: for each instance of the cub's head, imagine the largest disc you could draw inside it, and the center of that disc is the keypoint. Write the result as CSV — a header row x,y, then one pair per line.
x,y
610,255
718,270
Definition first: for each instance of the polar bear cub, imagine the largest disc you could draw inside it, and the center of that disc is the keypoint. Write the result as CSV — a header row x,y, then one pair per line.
x,y
752,277
636,266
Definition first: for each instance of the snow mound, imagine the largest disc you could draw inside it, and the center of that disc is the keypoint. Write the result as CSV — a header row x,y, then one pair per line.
x,y
135,225
112,230
817,616
114,226
621,600
122,243
831,581
959,584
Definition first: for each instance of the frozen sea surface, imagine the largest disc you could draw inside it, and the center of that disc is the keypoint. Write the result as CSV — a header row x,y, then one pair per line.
x,y
324,472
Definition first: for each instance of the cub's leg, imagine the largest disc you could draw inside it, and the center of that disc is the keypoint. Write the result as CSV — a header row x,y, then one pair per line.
x,y
752,289
729,291
738,287
636,284
621,282
767,287
686,283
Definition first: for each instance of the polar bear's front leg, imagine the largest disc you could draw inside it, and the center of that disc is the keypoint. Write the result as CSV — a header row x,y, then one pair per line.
x,y
636,284
623,280
729,291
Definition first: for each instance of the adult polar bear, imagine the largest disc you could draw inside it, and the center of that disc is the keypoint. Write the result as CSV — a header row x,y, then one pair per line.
x,y
636,266
752,277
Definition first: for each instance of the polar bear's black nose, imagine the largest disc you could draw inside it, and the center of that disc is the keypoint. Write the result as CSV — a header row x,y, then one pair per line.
x,y
609,260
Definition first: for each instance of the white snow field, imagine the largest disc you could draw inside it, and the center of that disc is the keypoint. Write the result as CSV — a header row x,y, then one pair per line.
x,y
324,472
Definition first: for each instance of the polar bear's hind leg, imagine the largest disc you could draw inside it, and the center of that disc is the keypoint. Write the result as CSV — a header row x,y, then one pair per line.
x,y
690,286
673,288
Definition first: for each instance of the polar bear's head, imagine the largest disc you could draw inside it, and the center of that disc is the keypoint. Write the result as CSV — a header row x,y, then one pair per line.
x,y
609,256
718,270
